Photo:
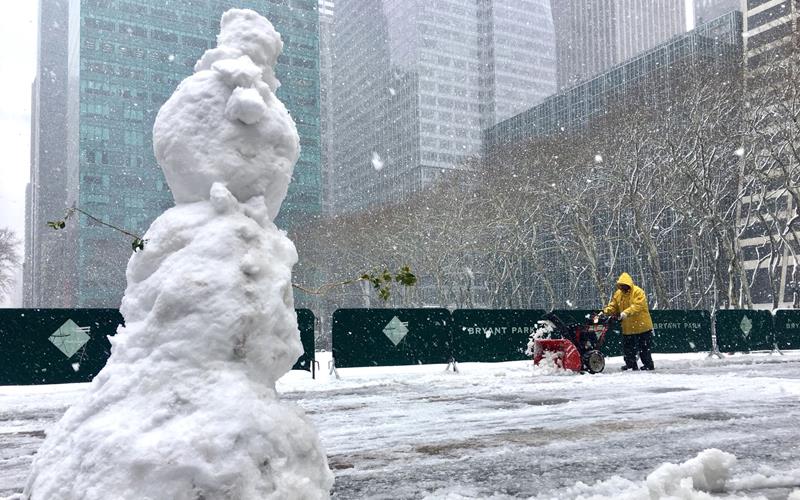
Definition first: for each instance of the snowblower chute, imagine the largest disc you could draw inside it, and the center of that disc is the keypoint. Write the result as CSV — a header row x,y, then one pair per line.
x,y
563,352
578,349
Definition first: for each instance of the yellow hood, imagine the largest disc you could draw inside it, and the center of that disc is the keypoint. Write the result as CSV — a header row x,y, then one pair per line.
x,y
625,279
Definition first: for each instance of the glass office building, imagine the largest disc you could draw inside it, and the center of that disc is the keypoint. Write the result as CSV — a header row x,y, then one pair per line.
x,y
772,40
706,10
45,277
716,42
415,82
326,9
594,35
124,59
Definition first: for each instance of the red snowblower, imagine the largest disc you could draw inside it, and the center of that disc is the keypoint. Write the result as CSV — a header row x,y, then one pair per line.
x,y
577,349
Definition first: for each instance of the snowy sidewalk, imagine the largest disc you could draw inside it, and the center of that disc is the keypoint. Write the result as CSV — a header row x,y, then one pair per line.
x,y
509,431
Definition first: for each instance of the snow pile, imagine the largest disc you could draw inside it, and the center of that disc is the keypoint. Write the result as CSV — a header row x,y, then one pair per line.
x,y
186,407
694,479
767,477
708,471
550,365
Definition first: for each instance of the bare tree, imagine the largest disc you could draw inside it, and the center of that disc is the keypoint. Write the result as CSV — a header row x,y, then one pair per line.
x,y
773,169
9,260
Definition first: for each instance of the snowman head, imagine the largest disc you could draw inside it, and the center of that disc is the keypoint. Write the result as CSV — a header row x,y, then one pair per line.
x,y
224,123
244,32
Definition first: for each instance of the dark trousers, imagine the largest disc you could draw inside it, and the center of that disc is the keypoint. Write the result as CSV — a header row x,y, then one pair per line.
x,y
639,342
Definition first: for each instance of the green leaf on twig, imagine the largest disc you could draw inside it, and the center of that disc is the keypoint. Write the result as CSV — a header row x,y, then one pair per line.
x,y
137,243
382,281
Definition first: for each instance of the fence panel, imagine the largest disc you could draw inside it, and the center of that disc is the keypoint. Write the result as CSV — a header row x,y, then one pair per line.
x,y
787,329
54,346
305,323
681,331
744,330
487,335
386,337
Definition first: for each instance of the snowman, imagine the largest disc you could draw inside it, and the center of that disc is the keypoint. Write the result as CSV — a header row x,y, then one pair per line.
x,y
186,407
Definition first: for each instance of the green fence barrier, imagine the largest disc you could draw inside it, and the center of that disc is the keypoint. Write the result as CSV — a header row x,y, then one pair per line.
x,y
681,331
387,337
744,330
57,346
487,335
787,329
613,343
54,346
305,323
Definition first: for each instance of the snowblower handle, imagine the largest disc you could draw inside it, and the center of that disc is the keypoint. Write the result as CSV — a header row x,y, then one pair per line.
x,y
605,318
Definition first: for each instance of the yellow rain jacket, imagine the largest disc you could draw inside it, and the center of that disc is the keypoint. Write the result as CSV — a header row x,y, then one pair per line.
x,y
633,304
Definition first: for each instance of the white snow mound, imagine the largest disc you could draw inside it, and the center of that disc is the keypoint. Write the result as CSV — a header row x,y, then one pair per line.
x,y
708,472
696,479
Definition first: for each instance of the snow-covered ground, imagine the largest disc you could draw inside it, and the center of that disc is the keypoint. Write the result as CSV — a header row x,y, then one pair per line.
x,y
508,430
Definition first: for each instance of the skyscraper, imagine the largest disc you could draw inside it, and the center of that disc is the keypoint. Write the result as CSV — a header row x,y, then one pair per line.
x,y
518,56
593,35
769,25
415,82
105,68
706,10
326,9
45,279
772,56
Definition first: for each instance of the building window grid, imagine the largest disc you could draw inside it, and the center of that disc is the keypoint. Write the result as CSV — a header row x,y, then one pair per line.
x,y
126,53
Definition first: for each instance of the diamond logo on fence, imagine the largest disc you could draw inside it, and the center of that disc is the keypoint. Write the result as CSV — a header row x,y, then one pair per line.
x,y
69,338
396,330
746,325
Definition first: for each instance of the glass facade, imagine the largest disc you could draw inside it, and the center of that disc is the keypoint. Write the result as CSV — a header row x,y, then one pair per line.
x,y
594,35
717,42
416,81
706,10
771,28
45,278
520,69
325,88
125,59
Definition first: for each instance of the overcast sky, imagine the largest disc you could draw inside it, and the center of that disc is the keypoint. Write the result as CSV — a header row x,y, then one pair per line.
x,y
17,68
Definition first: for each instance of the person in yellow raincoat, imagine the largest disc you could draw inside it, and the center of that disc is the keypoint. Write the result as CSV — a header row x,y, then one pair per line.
x,y
629,302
